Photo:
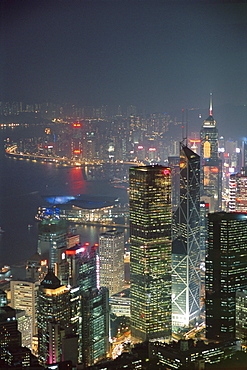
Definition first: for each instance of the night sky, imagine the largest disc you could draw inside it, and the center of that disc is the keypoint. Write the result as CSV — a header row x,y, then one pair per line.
x,y
157,55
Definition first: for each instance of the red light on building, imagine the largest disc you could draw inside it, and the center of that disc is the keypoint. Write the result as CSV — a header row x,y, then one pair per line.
x,y
69,253
96,244
167,171
73,252
76,124
206,204
214,169
152,149
226,155
87,243
77,151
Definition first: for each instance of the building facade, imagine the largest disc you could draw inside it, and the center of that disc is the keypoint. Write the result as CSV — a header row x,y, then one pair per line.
x,y
150,251
226,265
111,258
241,316
186,251
52,235
53,317
94,332
238,191
23,297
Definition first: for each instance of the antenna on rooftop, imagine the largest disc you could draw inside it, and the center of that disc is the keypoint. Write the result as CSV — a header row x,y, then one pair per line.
x,y
211,104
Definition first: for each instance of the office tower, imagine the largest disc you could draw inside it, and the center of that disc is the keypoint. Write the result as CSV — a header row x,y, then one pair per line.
x,y
76,141
186,253
150,251
89,311
241,316
226,265
94,333
87,269
11,351
53,317
238,191
94,310
204,210
52,235
9,334
211,167
23,297
111,257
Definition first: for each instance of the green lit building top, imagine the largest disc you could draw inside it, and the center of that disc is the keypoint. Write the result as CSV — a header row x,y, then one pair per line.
x,y
150,251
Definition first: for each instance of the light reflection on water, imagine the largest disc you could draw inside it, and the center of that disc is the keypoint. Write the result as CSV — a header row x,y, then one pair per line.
x,y
22,187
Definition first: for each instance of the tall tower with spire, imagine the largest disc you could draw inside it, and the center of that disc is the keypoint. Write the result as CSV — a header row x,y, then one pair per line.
x,y
211,168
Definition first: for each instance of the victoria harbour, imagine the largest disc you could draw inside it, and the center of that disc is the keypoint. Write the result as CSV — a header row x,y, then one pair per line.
x,y
24,183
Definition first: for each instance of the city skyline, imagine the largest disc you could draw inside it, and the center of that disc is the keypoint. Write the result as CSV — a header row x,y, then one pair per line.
x,y
110,174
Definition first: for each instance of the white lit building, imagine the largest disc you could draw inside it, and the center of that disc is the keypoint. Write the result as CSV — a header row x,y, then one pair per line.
x,y
111,256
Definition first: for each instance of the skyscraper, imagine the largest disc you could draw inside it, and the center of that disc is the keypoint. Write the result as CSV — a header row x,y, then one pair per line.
x,y
53,316
238,191
211,167
226,265
186,253
52,235
94,332
241,316
23,297
111,256
150,251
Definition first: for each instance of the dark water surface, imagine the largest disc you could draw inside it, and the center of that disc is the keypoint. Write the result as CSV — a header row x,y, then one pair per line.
x,y
22,185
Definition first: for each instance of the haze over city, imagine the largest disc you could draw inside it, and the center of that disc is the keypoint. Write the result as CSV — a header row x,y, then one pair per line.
x,y
160,56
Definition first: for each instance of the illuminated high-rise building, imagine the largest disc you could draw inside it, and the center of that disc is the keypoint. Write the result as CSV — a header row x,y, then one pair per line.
x,y
111,258
53,317
211,168
9,334
94,333
76,140
238,191
150,251
226,266
186,251
241,316
52,235
23,297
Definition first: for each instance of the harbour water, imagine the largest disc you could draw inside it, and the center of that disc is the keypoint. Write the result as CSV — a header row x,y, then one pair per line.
x,y
23,184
